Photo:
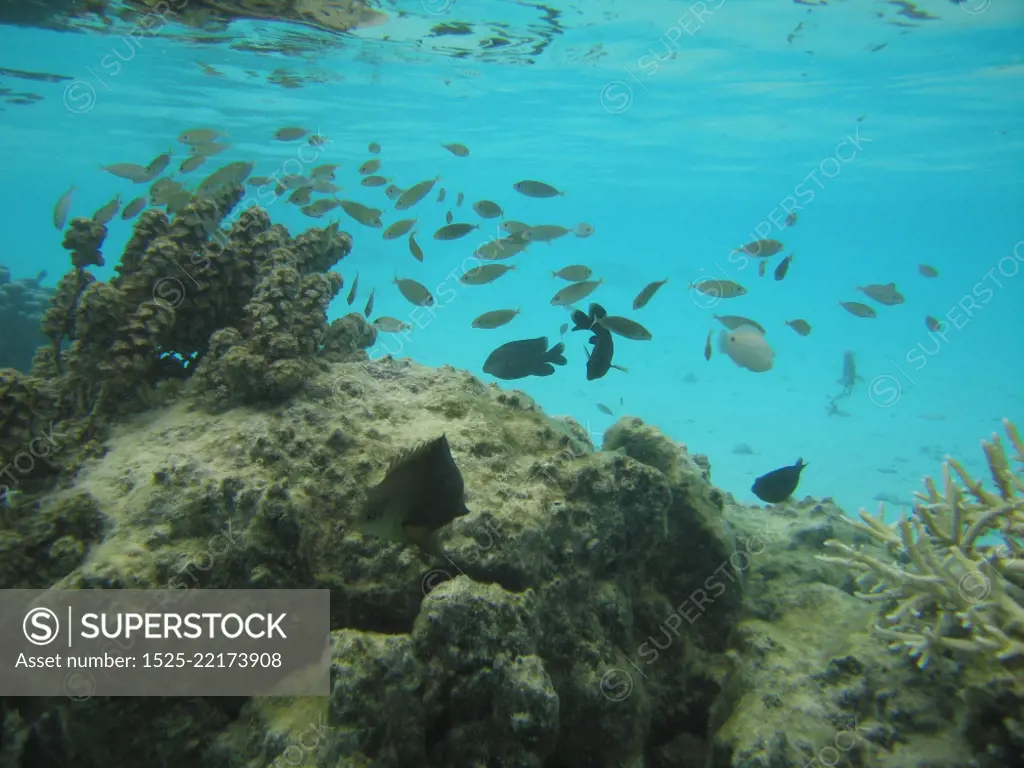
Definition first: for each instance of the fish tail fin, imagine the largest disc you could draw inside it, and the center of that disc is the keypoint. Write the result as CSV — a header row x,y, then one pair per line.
x,y
555,355
801,463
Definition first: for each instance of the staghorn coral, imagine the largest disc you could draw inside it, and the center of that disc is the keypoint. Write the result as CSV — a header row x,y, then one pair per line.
x,y
951,589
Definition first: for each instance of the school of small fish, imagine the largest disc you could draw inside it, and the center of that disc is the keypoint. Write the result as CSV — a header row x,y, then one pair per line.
x,y
742,339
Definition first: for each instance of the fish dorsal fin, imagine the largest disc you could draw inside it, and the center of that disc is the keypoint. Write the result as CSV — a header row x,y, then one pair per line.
x,y
415,452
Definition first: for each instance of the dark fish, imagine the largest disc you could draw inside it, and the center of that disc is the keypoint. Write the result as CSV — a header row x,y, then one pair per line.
x,y
927,270
604,409
707,346
368,310
585,322
422,492
791,220
352,293
779,484
932,324
527,357
599,359
783,268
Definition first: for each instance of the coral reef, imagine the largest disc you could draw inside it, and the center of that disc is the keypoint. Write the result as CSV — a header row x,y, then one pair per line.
x,y
209,429
22,303
238,314
958,581
595,608
951,581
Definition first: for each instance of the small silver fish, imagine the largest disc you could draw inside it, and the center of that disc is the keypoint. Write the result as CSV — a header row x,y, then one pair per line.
x,y
487,210
130,172
623,326
399,228
61,208
536,189
575,273
485,273
370,166
454,231
414,293
290,133
414,247
575,292
495,318
106,213
647,293
544,233
189,164
198,136
415,193
133,209
389,325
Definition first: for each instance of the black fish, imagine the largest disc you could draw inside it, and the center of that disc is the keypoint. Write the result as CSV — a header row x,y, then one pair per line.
x,y
779,484
585,322
783,268
528,357
352,294
422,491
599,359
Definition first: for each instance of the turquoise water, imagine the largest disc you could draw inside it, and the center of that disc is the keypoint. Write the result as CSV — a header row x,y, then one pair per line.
x,y
679,131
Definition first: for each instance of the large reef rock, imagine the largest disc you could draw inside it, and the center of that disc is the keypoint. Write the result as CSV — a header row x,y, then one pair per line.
x,y
595,608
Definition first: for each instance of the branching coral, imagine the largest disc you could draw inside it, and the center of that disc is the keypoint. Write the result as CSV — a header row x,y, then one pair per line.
x,y
957,579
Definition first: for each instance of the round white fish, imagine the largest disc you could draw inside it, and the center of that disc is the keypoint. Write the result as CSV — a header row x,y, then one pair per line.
x,y
747,347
